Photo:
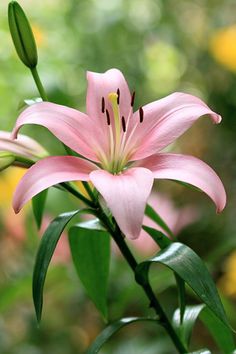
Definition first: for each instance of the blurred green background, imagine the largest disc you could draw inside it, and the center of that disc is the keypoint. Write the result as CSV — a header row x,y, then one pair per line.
x,y
161,47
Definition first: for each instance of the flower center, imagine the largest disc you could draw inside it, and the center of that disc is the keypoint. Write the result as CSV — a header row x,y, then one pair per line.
x,y
120,143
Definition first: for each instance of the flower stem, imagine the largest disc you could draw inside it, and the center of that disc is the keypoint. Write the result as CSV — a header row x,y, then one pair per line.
x,y
77,194
90,192
39,83
154,303
118,237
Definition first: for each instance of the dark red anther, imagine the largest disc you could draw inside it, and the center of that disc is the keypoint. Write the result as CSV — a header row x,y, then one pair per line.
x,y
132,99
108,118
118,98
123,124
141,114
103,105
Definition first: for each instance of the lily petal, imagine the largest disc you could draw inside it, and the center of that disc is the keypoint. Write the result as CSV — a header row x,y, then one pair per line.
x,y
24,146
167,119
70,126
126,195
48,172
99,86
190,170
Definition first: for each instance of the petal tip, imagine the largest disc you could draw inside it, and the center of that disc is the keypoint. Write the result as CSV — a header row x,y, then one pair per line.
x,y
16,208
217,118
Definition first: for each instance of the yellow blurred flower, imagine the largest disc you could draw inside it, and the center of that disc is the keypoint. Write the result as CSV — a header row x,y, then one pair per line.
x,y
38,35
223,47
228,282
13,225
9,179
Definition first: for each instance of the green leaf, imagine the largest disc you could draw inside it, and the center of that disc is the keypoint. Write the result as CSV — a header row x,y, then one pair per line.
x,y
201,351
181,295
188,185
31,101
93,224
219,331
45,252
189,266
90,249
6,159
38,204
152,214
163,241
108,332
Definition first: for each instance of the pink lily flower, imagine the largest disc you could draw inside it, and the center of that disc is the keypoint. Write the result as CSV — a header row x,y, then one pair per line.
x,y
121,149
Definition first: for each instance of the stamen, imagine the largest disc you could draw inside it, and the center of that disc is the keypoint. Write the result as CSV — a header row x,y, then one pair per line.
x,y
141,114
103,104
108,118
132,99
123,124
118,94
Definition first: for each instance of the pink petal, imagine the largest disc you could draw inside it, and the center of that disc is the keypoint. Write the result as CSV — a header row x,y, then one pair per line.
x,y
24,146
165,120
190,170
126,195
69,125
48,172
99,86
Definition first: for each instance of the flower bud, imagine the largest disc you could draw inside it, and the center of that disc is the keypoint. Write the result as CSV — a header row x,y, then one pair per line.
x,y
22,35
6,160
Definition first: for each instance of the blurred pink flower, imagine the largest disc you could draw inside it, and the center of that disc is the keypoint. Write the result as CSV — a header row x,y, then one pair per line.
x,y
175,218
124,148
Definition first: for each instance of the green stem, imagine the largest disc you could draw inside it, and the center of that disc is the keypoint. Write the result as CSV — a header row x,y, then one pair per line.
x,y
39,84
90,192
154,303
77,194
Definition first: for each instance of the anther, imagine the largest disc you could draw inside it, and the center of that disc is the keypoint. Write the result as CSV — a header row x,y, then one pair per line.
x,y
108,118
123,124
141,114
132,99
118,96
103,105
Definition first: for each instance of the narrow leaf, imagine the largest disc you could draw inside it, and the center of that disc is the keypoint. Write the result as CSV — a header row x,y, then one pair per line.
x,y
189,266
152,214
38,204
90,249
201,351
163,241
93,224
113,328
45,252
181,295
221,333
